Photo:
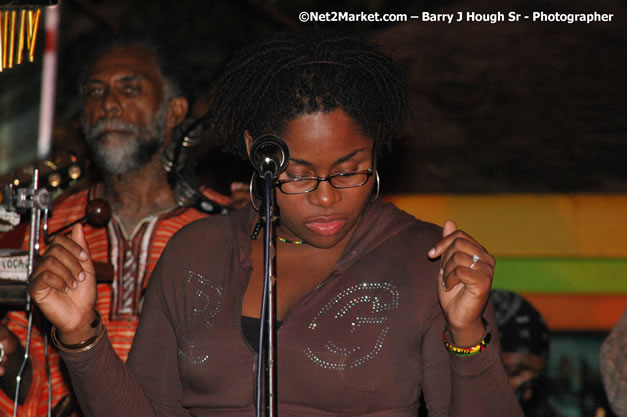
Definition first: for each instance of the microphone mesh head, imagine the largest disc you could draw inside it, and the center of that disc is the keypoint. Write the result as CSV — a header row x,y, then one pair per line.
x,y
269,153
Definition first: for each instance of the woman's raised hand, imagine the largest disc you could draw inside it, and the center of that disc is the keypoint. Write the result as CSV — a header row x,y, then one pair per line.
x,y
466,272
63,284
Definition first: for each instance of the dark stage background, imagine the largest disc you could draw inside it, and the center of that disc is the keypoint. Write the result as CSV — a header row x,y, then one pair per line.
x,y
505,107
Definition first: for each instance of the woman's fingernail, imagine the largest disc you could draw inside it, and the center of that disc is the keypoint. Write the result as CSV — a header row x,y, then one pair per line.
x,y
432,252
82,276
83,255
74,284
441,273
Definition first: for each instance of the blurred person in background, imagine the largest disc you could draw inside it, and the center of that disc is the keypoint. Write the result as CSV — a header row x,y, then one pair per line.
x,y
613,366
525,340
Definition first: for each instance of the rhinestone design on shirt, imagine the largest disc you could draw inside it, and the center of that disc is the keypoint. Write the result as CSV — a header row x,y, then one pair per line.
x,y
187,350
206,298
382,296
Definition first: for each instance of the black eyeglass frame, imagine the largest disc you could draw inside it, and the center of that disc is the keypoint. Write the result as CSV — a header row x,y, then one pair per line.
x,y
329,178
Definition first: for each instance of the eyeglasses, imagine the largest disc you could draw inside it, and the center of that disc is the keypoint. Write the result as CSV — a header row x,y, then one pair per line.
x,y
302,185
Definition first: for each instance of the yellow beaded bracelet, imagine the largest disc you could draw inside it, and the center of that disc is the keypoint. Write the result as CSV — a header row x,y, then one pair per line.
x,y
473,350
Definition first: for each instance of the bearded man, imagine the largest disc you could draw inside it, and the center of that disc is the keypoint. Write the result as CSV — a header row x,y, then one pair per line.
x,y
131,103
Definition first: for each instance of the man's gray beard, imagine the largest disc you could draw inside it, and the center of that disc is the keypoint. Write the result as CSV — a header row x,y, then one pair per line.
x,y
132,152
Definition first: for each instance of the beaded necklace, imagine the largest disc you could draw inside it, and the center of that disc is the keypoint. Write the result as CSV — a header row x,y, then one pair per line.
x,y
258,227
293,242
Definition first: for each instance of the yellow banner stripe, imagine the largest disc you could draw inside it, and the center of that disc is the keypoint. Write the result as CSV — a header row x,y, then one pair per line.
x,y
537,225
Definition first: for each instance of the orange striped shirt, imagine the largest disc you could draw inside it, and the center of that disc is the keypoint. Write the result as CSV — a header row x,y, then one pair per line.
x,y
121,331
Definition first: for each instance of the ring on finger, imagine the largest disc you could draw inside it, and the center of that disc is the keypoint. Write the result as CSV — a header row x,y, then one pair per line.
x,y
475,259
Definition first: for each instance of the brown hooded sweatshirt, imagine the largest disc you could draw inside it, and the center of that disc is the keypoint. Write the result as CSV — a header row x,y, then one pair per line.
x,y
365,342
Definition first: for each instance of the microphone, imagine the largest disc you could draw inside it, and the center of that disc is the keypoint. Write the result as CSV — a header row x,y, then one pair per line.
x,y
189,135
174,161
269,153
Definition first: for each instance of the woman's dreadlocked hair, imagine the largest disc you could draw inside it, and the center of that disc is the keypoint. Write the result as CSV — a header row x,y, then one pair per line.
x,y
270,83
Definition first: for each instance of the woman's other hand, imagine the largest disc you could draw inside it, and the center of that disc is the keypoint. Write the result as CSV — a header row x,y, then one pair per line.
x,y
465,279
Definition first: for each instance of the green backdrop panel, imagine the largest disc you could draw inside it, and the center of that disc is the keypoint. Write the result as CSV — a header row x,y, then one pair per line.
x,y
562,275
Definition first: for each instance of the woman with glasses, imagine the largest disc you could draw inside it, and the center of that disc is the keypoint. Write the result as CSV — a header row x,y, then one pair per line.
x,y
374,306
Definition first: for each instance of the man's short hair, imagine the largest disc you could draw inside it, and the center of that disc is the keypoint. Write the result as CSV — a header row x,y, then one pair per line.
x,y
168,62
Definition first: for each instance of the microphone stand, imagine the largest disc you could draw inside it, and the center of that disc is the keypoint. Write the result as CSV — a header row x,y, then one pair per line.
x,y
267,331
36,200
269,155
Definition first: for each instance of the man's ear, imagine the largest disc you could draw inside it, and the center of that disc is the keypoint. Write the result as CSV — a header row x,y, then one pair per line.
x,y
249,142
177,110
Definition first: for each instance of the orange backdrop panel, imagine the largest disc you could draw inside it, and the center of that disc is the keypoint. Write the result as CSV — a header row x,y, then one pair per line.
x,y
579,311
